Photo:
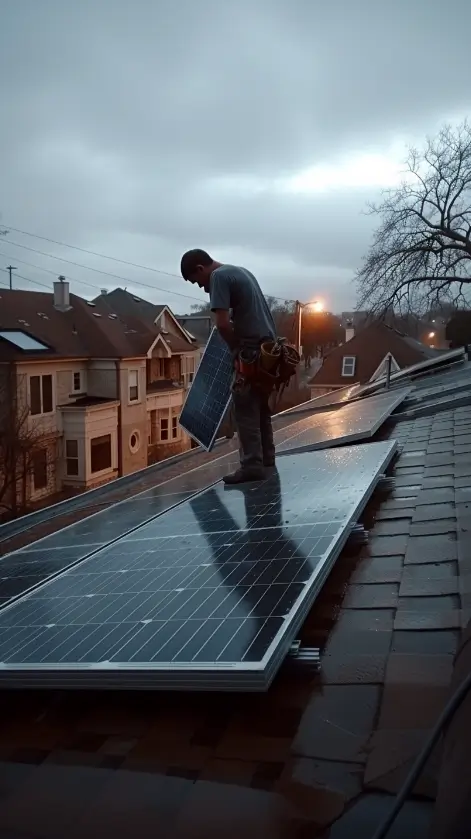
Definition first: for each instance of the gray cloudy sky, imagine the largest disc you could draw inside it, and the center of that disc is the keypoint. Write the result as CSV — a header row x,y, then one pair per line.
x,y
257,129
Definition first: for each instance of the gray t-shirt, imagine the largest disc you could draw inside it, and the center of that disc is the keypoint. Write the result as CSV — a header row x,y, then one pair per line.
x,y
231,287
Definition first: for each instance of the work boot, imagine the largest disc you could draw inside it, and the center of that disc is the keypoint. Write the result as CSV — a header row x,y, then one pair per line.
x,y
244,476
268,462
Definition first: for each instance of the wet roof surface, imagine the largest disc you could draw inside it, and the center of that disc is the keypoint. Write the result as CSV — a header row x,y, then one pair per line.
x,y
316,750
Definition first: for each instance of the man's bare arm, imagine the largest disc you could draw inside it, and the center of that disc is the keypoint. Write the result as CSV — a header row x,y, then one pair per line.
x,y
225,327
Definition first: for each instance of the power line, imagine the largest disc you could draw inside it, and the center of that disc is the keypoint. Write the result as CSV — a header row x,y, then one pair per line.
x,y
94,253
26,279
50,271
105,273
113,259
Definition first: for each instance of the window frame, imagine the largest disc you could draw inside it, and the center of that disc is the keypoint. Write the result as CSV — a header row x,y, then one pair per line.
x,y
41,377
175,428
106,468
349,361
131,387
79,388
164,438
71,458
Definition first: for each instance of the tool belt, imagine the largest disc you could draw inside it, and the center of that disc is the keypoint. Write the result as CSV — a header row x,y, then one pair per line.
x,y
270,366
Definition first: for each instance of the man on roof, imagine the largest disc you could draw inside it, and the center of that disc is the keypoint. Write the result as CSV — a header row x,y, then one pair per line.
x,y
244,321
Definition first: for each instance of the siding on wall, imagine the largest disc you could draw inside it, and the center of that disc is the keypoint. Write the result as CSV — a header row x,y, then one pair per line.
x,y
133,417
83,424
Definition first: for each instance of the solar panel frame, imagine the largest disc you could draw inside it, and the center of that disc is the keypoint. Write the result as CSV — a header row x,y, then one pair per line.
x,y
437,362
323,423
213,376
347,499
336,397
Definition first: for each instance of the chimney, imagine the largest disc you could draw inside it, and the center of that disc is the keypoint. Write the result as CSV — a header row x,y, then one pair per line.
x,y
61,295
103,291
349,330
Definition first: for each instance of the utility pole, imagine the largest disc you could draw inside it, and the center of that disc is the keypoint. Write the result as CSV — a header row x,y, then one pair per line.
x,y
11,268
298,320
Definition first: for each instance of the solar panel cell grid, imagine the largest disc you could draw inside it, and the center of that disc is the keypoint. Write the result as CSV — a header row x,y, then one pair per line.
x,y
352,422
210,393
211,586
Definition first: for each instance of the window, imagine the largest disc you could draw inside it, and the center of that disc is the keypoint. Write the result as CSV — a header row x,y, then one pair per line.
x,y
134,442
174,427
71,457
77,382
22,340
100,452
164,429
191,376
40,469
348,366
133,385
40,394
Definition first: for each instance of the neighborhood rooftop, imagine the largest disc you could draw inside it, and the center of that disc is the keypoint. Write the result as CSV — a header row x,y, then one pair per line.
x,y
314,749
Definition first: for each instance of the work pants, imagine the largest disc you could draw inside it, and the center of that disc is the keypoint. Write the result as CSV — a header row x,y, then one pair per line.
x,y
253,421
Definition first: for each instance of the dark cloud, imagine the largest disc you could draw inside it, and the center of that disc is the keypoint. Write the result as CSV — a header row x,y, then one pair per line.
x,y
142,129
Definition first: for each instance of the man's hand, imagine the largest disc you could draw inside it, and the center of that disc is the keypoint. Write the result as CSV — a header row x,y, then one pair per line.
x,y
225,327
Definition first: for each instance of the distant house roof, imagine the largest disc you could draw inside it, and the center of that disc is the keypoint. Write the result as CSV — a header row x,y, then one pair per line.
x,y
81,331
125,304
198,326
32,327
369,347
129,308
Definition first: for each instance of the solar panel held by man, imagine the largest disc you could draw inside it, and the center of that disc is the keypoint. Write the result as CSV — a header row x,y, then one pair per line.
x,y
262,362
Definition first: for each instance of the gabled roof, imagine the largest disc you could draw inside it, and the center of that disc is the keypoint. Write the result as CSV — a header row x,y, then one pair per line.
x,y
123,303
83,331
198,326
128,306
369,347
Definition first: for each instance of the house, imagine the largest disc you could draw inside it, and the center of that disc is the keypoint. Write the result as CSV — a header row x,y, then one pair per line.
x,y
198,327
175,339
85,394
365,355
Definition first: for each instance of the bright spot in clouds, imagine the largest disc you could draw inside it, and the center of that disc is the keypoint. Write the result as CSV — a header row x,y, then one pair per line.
x,y
368,170
358,172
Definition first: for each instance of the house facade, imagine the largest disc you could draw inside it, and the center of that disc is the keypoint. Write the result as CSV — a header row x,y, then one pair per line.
x,y
365,357
86,395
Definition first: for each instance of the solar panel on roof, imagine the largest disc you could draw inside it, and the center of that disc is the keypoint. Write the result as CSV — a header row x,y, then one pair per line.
x,y
27,567
209,596
210,393
356,421
335,397
437,362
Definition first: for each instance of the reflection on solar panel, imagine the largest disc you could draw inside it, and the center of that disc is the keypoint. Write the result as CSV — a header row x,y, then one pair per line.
x,y
26,568
335,397
210,393
355,421
210,595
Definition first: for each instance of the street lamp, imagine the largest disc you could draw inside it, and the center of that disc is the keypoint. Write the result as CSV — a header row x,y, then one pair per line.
x,y
316,305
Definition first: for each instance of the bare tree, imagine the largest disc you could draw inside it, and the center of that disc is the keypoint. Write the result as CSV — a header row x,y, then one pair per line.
x,y
22,444
421,252
284,315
